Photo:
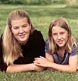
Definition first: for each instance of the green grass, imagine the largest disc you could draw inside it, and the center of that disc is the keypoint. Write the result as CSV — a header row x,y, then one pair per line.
x,y
41,17
39,76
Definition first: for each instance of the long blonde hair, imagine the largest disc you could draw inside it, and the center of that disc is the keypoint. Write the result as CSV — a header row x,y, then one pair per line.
x,y
11,47
61,22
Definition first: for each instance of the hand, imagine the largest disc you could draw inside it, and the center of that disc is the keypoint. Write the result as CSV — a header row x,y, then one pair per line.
x,y
36,68
41,62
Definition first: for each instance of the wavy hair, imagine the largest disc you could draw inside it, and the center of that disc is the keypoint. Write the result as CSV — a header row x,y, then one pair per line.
x,y
61,22
11,47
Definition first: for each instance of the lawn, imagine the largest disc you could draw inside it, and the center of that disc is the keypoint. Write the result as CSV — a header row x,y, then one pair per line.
x,y
41,17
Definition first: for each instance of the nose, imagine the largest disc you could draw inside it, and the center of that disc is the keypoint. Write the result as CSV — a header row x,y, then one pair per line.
x,y
20,30
59,36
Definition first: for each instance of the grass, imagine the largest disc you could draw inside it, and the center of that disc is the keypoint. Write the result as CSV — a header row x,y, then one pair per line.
x,y
41,17
39,76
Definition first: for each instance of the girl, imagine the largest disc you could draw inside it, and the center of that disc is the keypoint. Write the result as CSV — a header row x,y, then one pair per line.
x,y
20,44
61,50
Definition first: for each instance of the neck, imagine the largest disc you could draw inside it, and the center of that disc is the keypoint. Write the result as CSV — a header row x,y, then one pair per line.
x,y
61,52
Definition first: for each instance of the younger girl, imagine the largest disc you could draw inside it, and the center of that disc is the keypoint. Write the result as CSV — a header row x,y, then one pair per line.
x,y
61,50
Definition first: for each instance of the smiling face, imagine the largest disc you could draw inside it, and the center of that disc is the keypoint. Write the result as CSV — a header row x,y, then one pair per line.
x,y
21,29
60,36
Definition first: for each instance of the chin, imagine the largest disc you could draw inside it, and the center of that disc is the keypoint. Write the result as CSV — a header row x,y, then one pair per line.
x,y
61,46
23,41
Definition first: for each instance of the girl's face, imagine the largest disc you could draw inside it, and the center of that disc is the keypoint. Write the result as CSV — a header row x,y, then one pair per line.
x,y
60,36
21,29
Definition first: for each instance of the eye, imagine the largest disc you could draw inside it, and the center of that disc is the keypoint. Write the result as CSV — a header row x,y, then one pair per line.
x,y
54,34
16,27
62,33
24,26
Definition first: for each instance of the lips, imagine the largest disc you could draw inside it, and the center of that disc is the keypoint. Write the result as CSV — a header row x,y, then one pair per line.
x,y
60,42
22,36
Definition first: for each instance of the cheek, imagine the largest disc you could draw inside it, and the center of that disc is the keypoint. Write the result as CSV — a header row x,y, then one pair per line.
x,y
54,38
28,29
14,32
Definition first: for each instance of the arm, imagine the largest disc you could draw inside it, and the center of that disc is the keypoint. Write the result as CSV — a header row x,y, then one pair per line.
x,y
49,57
23,68
71,67
38,50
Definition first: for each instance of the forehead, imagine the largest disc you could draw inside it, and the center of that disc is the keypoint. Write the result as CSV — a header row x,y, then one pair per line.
x,y
19,21
58,29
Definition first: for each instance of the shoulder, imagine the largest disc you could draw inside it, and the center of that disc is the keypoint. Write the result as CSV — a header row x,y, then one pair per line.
x,y
47,42
74,50
47,46
36,35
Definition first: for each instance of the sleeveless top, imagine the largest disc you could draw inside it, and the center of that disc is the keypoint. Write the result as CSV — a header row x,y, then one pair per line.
x,y
61,60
